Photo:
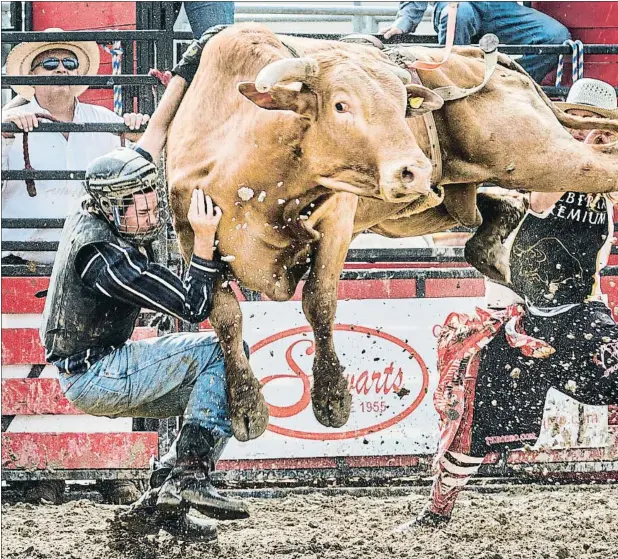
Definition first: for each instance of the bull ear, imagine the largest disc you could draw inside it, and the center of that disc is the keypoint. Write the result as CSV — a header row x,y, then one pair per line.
x,y
422,100
282,98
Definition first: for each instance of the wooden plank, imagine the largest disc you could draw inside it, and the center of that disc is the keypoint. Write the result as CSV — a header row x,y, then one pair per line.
x,y
35,396
376,289
320,463
22,346
18,295
277,464
465,287
67,451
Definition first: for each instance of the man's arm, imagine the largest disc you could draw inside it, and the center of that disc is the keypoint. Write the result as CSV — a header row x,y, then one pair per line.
x,y
410,14
125,274
154,138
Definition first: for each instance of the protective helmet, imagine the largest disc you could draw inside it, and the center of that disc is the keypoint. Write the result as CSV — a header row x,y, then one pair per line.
x,y
125,188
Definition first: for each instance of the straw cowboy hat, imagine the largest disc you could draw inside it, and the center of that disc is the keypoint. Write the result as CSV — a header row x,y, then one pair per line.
x,y
592,95
19,60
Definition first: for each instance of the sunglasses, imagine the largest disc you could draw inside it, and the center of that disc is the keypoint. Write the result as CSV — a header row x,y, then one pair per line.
x,y
52,63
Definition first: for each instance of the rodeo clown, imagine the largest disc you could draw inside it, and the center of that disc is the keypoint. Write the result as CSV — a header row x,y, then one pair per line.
x,y
554,329
102,278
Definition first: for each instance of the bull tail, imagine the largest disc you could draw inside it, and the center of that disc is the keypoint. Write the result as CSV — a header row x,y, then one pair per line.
x,y
570,121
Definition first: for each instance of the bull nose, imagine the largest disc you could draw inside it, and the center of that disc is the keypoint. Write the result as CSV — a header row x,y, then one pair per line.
x,y
416,177
407,180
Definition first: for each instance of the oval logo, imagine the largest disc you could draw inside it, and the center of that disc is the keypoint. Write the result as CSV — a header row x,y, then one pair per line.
x,y
386,377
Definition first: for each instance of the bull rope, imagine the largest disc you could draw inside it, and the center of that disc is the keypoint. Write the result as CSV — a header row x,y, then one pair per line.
x,y
116,52
30,186
577,59
450,41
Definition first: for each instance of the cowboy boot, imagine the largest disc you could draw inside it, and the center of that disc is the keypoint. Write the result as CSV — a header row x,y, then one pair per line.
x,y
118,491
189,481
144,517
425,519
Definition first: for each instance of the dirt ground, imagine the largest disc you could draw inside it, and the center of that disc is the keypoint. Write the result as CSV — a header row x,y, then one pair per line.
x,y
505,523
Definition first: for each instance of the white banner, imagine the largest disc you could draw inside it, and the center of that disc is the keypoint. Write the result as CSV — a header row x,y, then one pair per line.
x,y
388,349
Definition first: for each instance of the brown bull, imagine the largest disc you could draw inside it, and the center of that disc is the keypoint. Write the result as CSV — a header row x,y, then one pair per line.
x,y
332,155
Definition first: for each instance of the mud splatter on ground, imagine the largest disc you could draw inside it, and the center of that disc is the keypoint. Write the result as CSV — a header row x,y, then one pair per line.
x,y
515,522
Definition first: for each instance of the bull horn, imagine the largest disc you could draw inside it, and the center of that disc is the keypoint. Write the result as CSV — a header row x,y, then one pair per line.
x,y
286,70
402,74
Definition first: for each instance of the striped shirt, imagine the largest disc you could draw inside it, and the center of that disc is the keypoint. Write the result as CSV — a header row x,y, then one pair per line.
x,y
125,274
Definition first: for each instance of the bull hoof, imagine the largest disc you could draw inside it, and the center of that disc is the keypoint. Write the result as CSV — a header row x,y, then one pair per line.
x,y
332,402
491,261
248,412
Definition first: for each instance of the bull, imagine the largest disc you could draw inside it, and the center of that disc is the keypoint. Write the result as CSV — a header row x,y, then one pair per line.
x,y
306,143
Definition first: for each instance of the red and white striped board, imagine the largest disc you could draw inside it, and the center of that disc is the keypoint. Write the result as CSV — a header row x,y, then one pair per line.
x,y
54,434
41,428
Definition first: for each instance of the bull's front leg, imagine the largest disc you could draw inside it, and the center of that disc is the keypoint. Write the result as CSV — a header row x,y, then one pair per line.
x,y
247,408
330,395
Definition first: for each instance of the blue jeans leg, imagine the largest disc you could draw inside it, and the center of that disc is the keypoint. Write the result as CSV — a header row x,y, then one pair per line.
x,y
204,15
468,24
517,25
160,377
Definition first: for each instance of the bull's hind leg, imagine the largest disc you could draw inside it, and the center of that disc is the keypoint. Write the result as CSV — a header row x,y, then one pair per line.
x,y
485,250
330,395
247,408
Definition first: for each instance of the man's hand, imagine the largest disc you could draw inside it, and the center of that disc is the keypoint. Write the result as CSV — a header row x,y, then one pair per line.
x,y
390,30
135,120
204,220
24,121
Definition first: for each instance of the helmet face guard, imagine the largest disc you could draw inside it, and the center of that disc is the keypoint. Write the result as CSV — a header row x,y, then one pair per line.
x,y
126,189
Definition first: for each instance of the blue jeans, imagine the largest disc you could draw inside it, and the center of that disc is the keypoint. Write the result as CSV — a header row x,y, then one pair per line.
x,y
203,15
512,23
160,377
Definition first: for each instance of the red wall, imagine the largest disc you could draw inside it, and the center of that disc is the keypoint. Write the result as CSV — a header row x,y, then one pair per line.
x,y
592,23
86,16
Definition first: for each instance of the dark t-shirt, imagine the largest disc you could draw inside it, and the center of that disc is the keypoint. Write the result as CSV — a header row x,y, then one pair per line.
x,y
555,259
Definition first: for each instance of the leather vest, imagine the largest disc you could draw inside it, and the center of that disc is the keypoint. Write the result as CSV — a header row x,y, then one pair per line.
x,y
77,318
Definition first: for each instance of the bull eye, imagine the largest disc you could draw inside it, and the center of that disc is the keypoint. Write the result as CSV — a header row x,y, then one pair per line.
x,y
341,107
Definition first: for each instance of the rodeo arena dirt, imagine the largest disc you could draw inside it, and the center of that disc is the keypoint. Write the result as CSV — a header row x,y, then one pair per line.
x,y
405,248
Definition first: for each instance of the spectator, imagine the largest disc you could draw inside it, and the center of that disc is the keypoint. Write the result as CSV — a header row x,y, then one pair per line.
x,y
204,15
513,24
52,151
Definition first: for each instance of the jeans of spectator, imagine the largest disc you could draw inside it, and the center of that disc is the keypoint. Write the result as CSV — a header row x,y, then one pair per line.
x,y
513,23
160,377
204,15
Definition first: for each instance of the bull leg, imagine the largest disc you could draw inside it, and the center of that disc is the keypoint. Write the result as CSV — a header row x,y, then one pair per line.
x,y
485,250
330,396
460,201
430,221
180,200
247,408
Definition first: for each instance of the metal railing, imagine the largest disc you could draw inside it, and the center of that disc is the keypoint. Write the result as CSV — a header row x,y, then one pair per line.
x,y
157,46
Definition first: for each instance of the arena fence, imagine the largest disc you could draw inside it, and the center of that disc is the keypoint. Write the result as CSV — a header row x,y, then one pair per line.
x,y
369,274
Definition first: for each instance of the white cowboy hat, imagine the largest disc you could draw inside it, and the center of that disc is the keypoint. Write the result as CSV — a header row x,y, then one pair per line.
x,y
595,96
19,60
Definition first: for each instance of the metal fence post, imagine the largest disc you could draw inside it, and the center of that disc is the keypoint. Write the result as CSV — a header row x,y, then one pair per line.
x,y
357,21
